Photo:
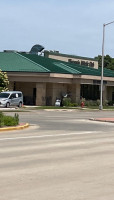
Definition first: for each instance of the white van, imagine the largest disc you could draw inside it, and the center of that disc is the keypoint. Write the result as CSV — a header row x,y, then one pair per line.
x,y
11,98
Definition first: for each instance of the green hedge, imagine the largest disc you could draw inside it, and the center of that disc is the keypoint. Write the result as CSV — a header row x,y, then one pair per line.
x,y
8,120
66,101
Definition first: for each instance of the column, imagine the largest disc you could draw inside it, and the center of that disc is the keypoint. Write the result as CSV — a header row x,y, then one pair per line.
x,y
40,94
75,93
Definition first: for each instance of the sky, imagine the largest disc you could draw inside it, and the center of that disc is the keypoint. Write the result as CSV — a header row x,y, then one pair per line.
x,y
68,26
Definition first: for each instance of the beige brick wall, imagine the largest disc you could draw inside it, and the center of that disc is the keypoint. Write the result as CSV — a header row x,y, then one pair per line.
x,y
73,59
75,91
57,90
26,88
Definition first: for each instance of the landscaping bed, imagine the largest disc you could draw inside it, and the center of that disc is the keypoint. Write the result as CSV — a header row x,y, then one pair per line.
x,y
8,120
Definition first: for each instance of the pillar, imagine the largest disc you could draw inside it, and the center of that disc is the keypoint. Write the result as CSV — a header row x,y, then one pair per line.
x,y
75,91
40,94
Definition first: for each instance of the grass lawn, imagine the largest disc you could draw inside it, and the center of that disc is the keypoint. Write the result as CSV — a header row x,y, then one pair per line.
x,y
78,107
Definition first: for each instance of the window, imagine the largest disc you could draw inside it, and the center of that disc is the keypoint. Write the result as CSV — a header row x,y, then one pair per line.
x,y
13,96
19,94
4,95
90,92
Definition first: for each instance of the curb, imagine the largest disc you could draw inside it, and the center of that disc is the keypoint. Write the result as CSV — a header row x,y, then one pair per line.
x,y
15,127
103,120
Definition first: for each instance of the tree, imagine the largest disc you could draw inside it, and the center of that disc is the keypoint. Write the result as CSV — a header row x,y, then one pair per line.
x,y
108,61
3,81
99,58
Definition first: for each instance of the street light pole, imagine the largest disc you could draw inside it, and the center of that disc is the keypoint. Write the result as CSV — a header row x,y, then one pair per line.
x,y
101,91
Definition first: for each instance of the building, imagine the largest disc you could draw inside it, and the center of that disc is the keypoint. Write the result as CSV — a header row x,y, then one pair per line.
x,y
42,79
89,62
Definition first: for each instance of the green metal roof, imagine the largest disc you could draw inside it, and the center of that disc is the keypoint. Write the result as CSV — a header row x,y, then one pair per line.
x,y
23,62
11,62
48,63
65,66
108,72
57,66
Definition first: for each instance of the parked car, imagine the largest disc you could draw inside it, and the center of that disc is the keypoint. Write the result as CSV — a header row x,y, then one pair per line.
x,y
11,98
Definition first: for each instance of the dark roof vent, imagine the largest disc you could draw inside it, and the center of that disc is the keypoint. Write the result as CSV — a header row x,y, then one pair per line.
x,y
36,49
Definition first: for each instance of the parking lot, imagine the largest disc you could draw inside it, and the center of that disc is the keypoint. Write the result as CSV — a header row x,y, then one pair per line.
x,y
62,155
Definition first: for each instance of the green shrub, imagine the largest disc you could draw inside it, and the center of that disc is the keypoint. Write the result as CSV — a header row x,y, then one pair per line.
x,y
66,101
105,103
111,103
82,100
73,104
92,103
8,120
98,102
1,119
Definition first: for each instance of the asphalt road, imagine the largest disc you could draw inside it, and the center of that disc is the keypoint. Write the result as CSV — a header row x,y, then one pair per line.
x,y
62,156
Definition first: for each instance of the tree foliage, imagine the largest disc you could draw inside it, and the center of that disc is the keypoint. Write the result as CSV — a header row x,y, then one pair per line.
x,y
3,81
108,61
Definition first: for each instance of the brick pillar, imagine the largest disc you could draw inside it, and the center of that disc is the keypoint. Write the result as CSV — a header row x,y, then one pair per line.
x,y
40,94
75,90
